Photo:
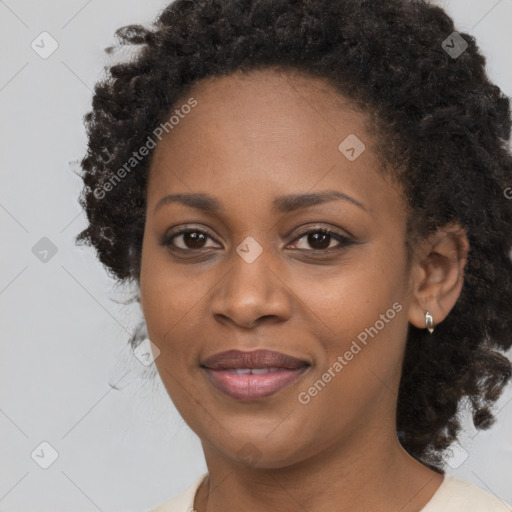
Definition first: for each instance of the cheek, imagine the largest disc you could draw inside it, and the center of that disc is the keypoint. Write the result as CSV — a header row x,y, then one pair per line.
x,y
354,294
169,300
359,311
169,297
358,370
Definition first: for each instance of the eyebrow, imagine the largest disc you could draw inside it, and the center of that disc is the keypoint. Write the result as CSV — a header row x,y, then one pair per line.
x,y
283,204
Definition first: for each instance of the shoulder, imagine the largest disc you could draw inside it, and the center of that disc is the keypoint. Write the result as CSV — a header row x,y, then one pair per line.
x,y
458,495
183,502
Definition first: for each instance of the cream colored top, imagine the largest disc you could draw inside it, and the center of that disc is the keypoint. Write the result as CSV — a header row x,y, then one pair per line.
x,y
453,495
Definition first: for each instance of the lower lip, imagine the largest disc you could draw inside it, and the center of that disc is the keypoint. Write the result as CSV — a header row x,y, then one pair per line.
x,y
249,386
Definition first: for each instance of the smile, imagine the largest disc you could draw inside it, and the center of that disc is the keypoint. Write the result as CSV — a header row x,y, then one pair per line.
x,y
248,384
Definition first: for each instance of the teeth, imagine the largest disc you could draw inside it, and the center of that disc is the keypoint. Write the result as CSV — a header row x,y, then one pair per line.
x,y
255,371
258,371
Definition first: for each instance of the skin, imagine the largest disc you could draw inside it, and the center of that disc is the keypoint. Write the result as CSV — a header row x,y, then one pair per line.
x,y
251,138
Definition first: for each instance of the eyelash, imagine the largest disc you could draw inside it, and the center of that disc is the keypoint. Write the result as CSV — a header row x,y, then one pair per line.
x,y
343,241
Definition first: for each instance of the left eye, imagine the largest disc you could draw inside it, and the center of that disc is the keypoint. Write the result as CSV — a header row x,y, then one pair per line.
x,y
322,238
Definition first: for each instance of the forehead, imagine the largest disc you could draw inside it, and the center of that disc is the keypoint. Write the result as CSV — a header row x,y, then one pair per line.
x,y
286,84
272,98
273,132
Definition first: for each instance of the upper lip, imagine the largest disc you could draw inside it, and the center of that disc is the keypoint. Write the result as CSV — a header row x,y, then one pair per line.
x,y
236,359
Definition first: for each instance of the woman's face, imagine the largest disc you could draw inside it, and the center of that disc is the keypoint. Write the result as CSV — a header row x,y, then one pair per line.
x,y
255,272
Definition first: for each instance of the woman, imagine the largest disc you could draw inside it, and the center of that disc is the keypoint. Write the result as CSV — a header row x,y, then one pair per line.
x,y
311,200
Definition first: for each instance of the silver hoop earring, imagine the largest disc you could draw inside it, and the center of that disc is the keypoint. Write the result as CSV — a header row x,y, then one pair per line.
x,y
429,322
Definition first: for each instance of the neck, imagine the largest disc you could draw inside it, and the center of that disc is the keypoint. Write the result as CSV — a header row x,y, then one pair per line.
x,y
372,472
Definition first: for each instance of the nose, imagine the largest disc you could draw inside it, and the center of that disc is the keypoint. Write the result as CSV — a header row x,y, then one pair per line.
x,y
251,292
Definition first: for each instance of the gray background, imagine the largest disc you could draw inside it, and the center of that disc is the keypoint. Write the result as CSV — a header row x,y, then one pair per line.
x,y
64,328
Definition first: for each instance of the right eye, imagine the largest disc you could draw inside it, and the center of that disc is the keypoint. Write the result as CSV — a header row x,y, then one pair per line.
x,y
191,239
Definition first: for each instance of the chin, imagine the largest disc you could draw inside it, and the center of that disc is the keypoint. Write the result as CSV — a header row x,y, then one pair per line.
x,y
258,449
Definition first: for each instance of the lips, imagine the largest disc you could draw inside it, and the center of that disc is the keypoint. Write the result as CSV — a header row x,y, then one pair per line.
x,y
236,359
253,375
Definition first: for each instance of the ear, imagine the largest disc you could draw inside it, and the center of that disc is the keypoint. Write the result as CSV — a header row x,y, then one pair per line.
x,y
437,273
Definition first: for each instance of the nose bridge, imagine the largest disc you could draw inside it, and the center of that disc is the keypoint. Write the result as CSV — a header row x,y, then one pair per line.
x,y
251,288
250,250
251,271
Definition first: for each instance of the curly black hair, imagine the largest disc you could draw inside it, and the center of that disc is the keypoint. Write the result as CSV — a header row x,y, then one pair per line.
x,y
443,130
